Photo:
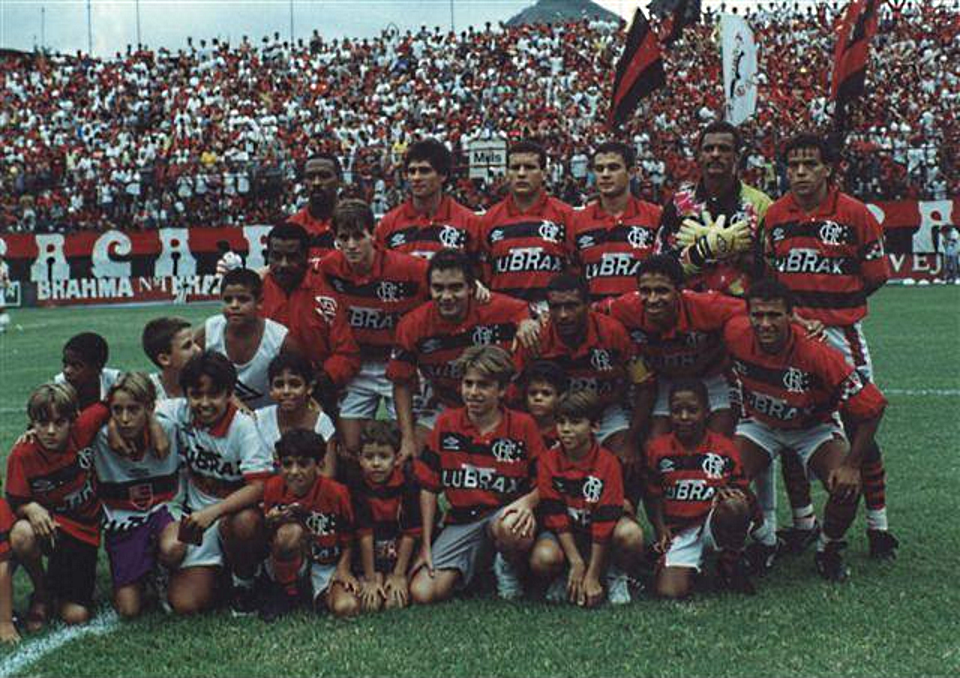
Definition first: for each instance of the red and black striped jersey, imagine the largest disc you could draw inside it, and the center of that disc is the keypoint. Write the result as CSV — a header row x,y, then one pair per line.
x,y
478,473
687,481
317,323
609,249
375,302
389,510
524,250
694,346
584,496
803,385
600,363
829,257
322,241
430,344
61,482
324,511
404,229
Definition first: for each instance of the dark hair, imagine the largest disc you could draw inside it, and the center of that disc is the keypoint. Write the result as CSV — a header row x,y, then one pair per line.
x,y
626,153
158,336
90,346
546,371
452,260
290,231
381,432
299,442
352,213
770,289
692,385
243,277
722,127
293,361
213,364
663,264
569,282
432,152
331,158
579,404
809,140
528,146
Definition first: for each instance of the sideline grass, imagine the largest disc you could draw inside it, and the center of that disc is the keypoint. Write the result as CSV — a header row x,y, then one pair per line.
x,y
890,619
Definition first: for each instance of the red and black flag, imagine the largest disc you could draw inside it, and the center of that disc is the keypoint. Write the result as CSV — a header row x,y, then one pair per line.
x,y
639,71
675,15
853,47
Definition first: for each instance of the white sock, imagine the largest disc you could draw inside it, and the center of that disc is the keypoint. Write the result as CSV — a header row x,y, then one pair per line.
x,y
242,582
766,534
877,519
804,517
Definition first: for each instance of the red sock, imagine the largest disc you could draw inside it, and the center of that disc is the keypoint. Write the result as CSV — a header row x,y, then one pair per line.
x,y
874,479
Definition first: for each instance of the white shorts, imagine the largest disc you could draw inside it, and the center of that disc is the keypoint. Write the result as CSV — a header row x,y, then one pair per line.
x,y
365,391
851,342
615,419
688,546
208,553
464,547
804,442
718,394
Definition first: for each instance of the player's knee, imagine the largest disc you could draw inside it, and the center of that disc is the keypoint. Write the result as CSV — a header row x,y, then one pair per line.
x,y
422,589
287,540
127,606
344,604
243,526
23,540
628,536
672,586
73,614
546,559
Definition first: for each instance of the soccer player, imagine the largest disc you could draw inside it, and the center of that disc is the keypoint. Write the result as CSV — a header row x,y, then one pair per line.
x,y
300,299
542,382
429,339
524,237
227,465
386,505
136,489
50,488
243,335
8,630
793,388
168,342
698,496
612,235
581,507
482,457
85,357
311,525
725,215
374,287
323,175
430,220
827,248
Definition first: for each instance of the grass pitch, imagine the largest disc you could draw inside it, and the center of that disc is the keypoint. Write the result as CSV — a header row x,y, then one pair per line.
x,y
890,619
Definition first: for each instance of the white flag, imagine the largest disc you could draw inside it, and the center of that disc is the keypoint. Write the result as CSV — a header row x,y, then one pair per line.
x,y
739,68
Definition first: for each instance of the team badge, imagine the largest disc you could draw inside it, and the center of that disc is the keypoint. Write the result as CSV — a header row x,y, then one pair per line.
x,y
388,291
712,465
482,335
600,359
832,233
852,385
505,449
550,232
794,380
592,489
638,237
85,458
450,237
326,307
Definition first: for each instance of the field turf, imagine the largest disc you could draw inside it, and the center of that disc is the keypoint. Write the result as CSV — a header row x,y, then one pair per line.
x,y
889,619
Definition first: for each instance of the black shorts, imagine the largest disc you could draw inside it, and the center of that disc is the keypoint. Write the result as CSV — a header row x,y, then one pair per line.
x,y
72,570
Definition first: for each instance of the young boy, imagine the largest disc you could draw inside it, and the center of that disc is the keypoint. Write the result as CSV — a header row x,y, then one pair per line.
x,y
169,344
311,524
387,507
482,457
227,465
581,506
8,631
242,334
542,384
84,358
699,498
50,489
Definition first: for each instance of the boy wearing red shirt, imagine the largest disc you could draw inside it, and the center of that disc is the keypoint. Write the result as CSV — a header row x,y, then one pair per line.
x,y
581,507
482,457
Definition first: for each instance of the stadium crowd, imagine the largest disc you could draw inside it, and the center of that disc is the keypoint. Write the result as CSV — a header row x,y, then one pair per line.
x,y
217,134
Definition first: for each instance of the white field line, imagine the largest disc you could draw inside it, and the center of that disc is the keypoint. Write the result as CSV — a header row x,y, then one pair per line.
x,y
33,650
948,392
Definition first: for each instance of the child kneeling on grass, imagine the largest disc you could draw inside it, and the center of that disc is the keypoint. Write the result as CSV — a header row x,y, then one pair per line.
x,y
581,507
310,521
386,504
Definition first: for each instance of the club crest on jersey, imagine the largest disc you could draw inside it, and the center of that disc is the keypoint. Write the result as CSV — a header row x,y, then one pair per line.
x,y
550,231
85,458
592,489
638,237
505,449
482,335
832,233
326,307
388,291
795,381
712,465
398,239
320,523
600,360
141,496
450,237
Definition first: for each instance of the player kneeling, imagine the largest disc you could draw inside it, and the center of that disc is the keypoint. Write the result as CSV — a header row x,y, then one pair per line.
x,y
311,530
698,496
481,456
581,504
